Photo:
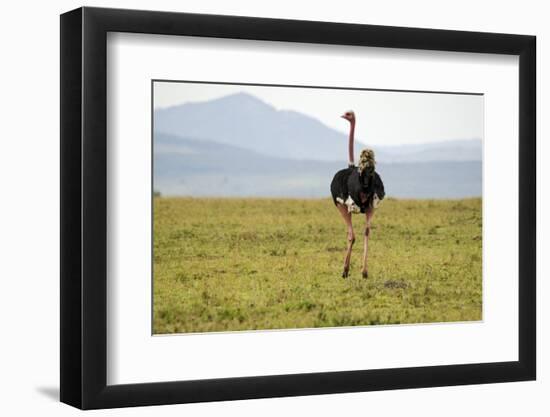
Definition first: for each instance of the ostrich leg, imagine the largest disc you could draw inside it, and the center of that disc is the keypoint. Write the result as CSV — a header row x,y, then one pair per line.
x,y
347,259
351,238
369,215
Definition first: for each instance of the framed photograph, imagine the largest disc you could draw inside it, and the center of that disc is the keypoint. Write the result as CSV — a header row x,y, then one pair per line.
x,y
257,208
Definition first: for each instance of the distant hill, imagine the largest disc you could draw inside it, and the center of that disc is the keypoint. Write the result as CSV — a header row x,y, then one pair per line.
x,y
198,167
456,150
246,122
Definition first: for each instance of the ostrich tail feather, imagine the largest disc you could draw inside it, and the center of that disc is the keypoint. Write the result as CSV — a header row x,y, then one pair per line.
x,y
367,161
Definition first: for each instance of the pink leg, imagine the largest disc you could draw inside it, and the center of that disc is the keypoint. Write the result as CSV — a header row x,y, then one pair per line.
x,y
369,216
351,238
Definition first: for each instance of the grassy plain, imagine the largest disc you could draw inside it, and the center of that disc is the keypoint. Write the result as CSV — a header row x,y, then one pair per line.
x,y
248,264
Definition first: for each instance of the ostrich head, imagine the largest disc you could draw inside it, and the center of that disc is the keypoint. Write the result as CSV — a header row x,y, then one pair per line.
x,y
349,116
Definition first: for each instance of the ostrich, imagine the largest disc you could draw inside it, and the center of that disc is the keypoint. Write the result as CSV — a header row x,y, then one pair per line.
x,y
357,189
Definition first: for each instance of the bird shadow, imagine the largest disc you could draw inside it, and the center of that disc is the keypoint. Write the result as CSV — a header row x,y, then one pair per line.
x,y
50,392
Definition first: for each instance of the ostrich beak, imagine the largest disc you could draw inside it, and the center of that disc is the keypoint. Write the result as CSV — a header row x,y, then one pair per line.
x,y
343,116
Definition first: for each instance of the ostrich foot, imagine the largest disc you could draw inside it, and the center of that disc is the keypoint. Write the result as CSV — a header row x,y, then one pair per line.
x,y
345,273
365,273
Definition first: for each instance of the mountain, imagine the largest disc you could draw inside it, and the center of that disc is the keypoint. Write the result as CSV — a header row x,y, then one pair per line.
x,y
200,168
246,122
456,150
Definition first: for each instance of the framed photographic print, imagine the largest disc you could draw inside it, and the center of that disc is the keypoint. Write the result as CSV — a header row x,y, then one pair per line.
x,y
258,207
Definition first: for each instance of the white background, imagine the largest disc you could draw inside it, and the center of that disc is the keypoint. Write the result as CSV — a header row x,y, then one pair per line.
x,y
134,356
30,237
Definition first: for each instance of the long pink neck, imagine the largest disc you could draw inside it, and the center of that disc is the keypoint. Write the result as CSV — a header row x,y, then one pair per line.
x,y
351,139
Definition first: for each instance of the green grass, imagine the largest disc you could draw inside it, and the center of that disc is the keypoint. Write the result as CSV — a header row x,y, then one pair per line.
x,y
243,264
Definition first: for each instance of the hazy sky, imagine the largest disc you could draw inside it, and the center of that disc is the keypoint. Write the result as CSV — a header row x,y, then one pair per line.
x,y
383,118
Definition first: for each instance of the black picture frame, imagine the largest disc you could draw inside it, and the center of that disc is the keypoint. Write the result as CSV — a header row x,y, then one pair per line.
x,y
84,207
